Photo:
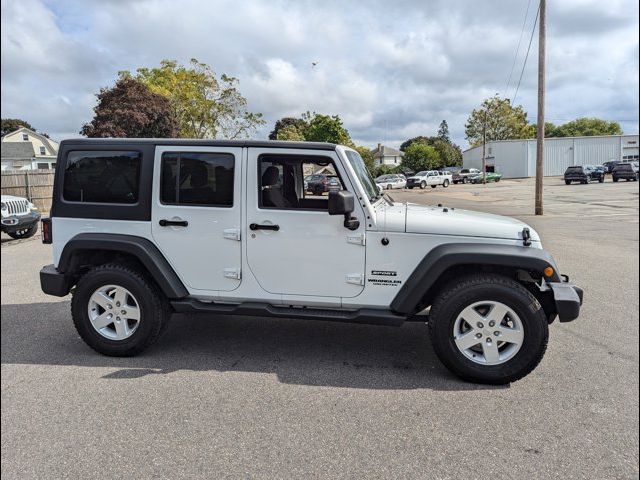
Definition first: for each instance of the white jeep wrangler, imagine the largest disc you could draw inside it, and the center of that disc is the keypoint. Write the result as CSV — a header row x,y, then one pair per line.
x,y
20,217
144,228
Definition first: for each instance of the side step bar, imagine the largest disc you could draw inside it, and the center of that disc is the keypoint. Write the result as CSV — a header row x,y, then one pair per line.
x,y
370,316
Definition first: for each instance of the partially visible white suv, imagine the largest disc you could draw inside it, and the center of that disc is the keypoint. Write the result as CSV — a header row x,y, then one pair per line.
x,y
20,217
431,178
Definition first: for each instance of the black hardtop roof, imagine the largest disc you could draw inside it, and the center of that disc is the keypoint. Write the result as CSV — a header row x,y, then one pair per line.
x,y
188,142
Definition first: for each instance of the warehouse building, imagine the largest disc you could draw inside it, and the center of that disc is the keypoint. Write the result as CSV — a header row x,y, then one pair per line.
x,y
517,158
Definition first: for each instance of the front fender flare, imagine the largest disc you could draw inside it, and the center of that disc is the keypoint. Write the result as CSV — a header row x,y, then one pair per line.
x,y
443,257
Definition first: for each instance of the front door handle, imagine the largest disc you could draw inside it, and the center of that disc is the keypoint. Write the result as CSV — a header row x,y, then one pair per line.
x,y
173,223
256,226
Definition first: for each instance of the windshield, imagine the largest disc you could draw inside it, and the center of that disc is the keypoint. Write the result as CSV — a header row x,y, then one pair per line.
x,y
421,174
369,185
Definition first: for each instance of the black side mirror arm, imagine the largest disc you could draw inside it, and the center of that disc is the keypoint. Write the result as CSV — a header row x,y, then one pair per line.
x,y
352,223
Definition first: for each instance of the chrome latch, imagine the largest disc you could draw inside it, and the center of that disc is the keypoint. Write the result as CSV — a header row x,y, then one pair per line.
x,y
355,278
231,233
233,273
359,239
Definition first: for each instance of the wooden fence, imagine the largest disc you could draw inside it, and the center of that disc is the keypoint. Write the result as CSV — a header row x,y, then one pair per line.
x,y
34,185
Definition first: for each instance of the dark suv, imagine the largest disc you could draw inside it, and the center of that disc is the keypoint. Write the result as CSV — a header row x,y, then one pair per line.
x,y
320,183
583,174
625,171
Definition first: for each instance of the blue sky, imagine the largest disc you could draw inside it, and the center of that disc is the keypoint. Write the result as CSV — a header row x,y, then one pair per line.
x,y
391,70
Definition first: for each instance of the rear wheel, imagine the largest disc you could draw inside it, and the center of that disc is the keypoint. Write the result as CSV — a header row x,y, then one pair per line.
x,y
488,329
445,184
567,182
433,186
423,184
601,180
117,311
27,232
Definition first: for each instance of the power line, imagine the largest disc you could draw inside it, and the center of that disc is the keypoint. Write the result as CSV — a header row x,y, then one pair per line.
x,y
527,55
515,57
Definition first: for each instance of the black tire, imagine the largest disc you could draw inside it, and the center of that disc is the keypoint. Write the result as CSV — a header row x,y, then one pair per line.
x,y
601,180
433,186
26,232
154,307
389,187
474,288
423,185
445,184
615,179
567,182
410,188
464,180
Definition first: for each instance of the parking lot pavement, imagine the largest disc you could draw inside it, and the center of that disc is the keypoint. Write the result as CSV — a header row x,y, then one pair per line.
x,y
255,398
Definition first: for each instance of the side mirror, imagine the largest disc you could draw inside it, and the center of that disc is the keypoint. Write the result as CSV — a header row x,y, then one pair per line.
x,y
342,203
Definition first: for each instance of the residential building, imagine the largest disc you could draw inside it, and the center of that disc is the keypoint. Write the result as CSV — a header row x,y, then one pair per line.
x,y
383,155
517,158
25,149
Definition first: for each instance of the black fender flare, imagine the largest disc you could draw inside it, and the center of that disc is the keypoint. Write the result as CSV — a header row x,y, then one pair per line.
x,y
141,248
445,256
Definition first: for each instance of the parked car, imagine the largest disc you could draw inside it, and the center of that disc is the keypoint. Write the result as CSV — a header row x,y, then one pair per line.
x,y
583,174
20,217
463,175
319,183
391,181
625,171
431,178
609,166
489,177
133,244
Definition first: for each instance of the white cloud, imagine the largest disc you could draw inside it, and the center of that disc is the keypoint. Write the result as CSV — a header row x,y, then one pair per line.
x,y
391,70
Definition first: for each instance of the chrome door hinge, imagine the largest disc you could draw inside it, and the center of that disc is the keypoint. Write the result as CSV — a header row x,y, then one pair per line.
x,y
358,239
233,273
231,233
355,278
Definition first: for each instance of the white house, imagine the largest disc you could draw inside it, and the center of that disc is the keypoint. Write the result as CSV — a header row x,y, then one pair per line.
x,y
517,158
25,149
387,156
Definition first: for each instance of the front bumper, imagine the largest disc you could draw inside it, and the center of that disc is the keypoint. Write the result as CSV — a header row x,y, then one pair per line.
x,y
11,223
52,282
568,300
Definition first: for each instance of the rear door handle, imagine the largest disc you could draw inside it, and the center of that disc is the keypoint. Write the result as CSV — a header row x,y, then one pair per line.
x,y
256,226
173,223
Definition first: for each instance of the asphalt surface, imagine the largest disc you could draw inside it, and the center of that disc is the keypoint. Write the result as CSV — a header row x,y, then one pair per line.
x,y
253,398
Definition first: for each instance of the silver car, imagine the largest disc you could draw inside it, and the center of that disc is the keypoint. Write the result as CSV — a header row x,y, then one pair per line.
x,y
390,181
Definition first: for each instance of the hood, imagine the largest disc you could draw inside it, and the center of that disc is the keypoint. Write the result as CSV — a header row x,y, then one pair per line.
x,y
11,198
413,218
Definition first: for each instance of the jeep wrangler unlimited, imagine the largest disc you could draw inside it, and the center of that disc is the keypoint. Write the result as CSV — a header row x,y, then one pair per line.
x,y
144,228
20,217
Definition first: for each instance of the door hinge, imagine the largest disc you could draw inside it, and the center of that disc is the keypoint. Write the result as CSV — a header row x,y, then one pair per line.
x,y
355,278
234,273
359,239
232,233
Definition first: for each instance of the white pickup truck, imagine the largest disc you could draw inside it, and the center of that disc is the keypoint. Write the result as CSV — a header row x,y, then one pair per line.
x,y
432,178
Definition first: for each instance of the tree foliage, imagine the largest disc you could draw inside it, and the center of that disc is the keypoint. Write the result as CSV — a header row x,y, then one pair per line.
x,y
285,123
583,127
499,120
12,124
325,128
419,156
367,157
130,109
204,105
449,153
443,131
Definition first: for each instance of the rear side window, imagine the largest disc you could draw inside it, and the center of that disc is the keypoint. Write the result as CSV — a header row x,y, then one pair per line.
x,y
195,178
102,177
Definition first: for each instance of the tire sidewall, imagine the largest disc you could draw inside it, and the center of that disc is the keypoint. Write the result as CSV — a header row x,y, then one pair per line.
x,y
521,302
148,311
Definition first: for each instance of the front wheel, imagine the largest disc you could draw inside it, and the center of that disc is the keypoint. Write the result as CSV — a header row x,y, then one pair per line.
x,y
488,329
445,184
117,311
423,185
567,182
433,186
27,232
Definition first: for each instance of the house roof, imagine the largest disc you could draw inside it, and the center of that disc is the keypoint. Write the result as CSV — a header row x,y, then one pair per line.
x,y
51,145
17,151
384,151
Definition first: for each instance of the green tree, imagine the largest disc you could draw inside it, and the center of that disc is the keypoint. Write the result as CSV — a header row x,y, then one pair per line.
x,y
290,132
450,154
299,124
443,131
419,156
12,124
130,109
205,105
325,128
499,120
585,127
367,157
420,139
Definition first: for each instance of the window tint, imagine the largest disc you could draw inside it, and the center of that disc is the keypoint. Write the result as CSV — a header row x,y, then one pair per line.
x,y
102,177
195,178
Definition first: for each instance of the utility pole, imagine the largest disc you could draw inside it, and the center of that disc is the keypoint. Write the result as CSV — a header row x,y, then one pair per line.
x,y
484,147
542,33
